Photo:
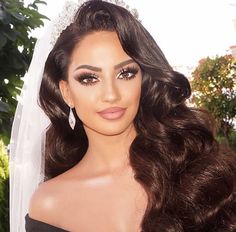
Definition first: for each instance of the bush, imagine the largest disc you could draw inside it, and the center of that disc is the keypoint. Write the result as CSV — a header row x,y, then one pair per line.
x,y
232,140
4,189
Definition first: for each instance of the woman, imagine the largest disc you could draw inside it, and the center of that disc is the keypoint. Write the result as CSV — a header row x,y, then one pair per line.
x,y
123,152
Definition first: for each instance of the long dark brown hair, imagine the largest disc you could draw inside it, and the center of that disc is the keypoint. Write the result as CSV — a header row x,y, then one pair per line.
x,y
190,182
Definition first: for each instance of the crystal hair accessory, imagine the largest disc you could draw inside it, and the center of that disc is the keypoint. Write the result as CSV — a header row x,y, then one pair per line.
x,y
121,3
66,17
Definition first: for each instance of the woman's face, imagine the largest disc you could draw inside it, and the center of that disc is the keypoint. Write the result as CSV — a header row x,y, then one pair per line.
x,y
104,84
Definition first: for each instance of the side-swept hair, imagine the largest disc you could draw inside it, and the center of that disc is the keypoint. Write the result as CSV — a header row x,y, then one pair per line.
x,y
189,181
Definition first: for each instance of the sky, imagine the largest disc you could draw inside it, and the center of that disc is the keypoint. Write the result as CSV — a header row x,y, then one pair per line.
x,y
185,30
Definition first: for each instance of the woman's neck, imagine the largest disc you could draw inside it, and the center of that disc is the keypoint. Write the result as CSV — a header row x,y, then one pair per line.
x,y
108,153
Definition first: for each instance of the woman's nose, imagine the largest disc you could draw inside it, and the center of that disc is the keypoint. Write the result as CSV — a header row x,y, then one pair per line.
x,y
110,91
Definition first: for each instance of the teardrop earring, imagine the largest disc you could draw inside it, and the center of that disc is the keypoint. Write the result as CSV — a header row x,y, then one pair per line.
x,y
71,119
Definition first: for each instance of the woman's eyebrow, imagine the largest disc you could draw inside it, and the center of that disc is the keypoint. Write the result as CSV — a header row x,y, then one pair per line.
x,y
123,63
90,67
97,69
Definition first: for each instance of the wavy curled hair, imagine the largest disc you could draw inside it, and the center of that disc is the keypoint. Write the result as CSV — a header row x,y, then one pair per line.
x,y
189,181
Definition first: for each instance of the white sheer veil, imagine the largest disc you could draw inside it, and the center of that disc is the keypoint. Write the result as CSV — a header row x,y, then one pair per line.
x,y
29,127
30,122
26,146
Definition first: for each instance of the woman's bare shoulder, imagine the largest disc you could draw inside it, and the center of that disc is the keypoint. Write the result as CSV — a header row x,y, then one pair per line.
x,y
49,198
44,201
50,195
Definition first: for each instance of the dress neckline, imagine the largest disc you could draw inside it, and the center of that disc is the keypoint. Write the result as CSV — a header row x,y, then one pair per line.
x,y
35,223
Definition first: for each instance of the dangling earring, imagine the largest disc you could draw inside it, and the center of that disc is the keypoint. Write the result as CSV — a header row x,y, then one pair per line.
x,y
71,119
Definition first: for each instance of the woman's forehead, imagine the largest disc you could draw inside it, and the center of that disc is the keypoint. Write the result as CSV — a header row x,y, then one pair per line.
x,y
98,49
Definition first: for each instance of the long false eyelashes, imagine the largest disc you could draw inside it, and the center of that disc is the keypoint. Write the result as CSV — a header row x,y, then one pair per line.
x,y
89,78
128,73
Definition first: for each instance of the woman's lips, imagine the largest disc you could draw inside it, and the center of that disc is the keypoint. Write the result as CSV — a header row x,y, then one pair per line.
x,y
112,113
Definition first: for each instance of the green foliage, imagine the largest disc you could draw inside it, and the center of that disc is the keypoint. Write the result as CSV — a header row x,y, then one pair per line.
x,y
4,189
16,49
214,86
231,142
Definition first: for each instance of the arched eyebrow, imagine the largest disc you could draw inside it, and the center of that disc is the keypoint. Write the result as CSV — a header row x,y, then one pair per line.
x,y
120,65
97,69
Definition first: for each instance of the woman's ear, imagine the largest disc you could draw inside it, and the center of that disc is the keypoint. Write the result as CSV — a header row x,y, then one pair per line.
x,y
65,92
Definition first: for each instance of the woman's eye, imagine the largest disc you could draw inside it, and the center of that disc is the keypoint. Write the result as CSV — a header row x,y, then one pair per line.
x,y
127,73
88,79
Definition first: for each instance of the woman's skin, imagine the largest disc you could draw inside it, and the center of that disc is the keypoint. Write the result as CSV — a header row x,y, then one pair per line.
x,y
100,192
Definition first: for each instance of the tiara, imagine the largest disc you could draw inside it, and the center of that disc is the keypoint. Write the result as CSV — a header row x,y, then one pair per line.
x,y
67,15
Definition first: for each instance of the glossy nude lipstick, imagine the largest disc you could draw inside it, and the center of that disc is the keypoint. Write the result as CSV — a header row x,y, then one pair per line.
x,y
112,113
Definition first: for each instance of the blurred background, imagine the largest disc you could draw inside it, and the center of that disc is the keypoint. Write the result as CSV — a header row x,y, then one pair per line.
x,y
198,38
